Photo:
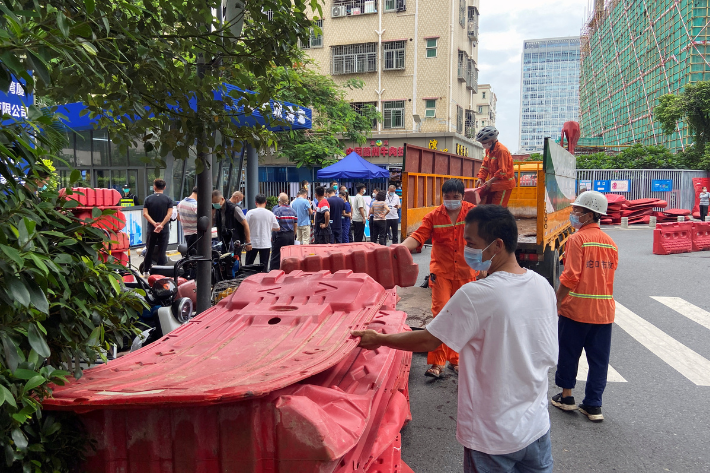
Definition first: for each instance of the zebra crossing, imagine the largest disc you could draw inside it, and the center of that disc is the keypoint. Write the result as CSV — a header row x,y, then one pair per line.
x,y
684,360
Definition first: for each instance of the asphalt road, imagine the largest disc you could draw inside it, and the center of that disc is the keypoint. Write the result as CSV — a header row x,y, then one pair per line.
x,y
657,409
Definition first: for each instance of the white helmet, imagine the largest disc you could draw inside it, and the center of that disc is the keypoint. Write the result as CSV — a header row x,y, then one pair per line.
x,y
592,200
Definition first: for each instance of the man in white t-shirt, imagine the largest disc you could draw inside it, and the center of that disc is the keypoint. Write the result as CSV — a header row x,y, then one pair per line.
x,y
261,223
505,330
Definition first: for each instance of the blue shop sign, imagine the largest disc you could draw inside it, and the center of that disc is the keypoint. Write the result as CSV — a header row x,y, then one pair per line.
x,y
662,185
602,186
16,100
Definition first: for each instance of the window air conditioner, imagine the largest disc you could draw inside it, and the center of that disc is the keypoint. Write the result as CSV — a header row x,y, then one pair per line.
x,y
339,10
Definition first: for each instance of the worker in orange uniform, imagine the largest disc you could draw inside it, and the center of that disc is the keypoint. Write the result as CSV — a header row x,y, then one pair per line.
x,y
585,304
448,268
496,174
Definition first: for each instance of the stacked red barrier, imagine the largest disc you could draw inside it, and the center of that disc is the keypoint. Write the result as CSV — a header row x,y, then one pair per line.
x,y
673,238
671,215
113,222
267,380
613,212
389,265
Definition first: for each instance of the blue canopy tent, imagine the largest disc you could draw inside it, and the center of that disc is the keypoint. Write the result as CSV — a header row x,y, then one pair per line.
x,y
353,166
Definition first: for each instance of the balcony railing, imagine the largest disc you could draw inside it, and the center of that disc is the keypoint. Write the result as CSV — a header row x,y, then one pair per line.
x,y
353,8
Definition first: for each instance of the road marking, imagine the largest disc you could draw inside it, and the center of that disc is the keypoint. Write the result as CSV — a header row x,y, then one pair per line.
x,y
612,375
693,312
684,360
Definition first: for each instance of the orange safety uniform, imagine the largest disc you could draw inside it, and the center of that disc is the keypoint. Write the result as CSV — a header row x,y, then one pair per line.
x,y
448,268
591,257
498,163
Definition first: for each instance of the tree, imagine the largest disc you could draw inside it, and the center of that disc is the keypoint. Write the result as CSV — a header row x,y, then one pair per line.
x,y
692,107
634,157
334,119
122,58
62,302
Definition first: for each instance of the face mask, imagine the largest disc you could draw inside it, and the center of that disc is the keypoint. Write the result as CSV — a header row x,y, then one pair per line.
x,y
126,191
474,258
391,193
216,206
574,220
452,204
43,188
335,187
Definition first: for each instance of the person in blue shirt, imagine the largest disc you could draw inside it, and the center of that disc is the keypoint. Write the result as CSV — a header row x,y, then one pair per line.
x,y
303,210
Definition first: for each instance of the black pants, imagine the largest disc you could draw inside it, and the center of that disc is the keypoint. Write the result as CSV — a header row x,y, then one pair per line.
x,y
703,212
190,242
158,243
336,235
321,236
378,232
263,256
281,239
359,231
393,227
595,339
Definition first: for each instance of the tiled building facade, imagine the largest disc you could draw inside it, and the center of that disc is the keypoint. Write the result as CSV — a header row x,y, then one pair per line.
x,y
418,59
484,103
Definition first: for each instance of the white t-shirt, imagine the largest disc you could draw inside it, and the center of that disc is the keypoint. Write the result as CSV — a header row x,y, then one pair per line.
x,y
505,330
261,223
391,201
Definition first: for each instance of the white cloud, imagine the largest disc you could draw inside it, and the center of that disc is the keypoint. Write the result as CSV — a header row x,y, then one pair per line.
x,y
503,28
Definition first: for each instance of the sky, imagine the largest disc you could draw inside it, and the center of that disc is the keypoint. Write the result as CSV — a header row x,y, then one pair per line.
x,y
503,27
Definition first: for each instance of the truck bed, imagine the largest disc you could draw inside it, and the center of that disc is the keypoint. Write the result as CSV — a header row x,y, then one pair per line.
x,y
527,230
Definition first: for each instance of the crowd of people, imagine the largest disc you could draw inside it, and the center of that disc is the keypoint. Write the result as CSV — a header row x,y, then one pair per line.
x,y
332,217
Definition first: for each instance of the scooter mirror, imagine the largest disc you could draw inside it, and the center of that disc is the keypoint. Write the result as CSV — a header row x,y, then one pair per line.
x,y
182,249
203,224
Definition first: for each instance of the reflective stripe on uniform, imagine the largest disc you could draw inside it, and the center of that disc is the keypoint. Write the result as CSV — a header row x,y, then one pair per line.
x,y
599,245
449,225
591,296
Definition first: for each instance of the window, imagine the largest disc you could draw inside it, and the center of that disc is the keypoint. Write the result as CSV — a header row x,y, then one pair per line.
x,y
395,5
480,109
463,64
394,55
315,40
462,13
431,47
483,95
430,108
354,58
394,114
362,107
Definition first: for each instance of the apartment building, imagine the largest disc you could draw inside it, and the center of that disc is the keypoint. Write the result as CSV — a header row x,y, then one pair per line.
x,y
484,103
418,59
549,89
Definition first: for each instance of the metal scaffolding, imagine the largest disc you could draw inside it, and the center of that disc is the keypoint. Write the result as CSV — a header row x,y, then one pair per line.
x,y
633,52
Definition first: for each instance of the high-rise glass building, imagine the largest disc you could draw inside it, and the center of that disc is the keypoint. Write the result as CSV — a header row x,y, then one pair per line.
x,y
549,89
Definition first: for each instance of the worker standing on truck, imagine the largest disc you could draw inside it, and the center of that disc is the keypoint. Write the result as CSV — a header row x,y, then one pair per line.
x,y
448,269
585,304
496,174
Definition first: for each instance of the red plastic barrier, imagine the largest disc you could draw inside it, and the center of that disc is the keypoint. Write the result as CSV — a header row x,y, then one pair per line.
x,y
701,236
114,222
698,184
671,238
275,330
391,460
328,422
389,265
88,197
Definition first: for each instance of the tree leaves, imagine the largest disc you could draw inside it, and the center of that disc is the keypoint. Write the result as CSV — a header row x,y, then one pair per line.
x,y
18,290
37,341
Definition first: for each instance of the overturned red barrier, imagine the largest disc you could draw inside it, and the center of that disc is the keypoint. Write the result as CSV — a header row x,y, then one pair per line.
x,y
275,330
388,265
701,236
672,238
89,197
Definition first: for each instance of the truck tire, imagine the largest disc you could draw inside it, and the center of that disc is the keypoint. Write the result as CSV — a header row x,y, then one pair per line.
x,y
551,267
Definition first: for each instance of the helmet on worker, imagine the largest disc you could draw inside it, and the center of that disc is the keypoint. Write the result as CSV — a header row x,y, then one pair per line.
x,y
592,200
487,136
